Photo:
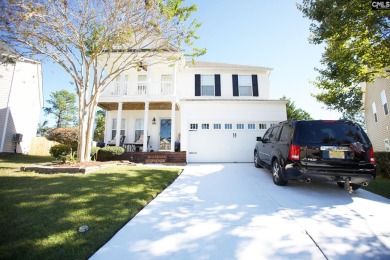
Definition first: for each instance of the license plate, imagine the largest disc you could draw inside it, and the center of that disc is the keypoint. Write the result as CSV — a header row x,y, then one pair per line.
x,y
336,155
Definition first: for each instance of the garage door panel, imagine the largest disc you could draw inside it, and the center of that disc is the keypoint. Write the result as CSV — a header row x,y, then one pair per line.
x,y
222,145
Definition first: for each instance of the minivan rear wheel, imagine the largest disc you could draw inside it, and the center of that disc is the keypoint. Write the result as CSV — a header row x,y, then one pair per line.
x,y
277,174
353,185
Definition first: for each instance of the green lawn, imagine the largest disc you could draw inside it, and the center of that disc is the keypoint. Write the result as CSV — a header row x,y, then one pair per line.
x,y
40,214
380,186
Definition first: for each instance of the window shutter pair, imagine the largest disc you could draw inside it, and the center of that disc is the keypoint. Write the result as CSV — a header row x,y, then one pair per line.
x,y
217,79
255,86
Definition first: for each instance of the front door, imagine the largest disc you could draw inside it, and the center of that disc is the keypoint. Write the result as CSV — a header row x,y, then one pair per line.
x,y
165,134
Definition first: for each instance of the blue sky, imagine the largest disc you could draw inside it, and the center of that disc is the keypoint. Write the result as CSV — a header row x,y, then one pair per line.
x,y
250,32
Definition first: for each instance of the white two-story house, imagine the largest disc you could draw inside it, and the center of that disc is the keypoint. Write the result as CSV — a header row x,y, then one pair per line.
x,y
214,110
21,100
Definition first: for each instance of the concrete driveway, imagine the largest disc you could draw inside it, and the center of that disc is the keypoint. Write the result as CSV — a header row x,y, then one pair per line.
x,y
234,211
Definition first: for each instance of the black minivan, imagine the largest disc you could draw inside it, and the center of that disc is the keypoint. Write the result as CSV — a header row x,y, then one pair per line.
x,y
336,150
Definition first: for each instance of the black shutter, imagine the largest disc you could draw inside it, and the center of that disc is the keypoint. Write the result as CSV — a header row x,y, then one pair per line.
x,y
197,85
217,79
255,86
235,86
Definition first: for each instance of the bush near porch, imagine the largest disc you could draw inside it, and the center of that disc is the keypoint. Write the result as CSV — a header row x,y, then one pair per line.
x,y
382,160
41,213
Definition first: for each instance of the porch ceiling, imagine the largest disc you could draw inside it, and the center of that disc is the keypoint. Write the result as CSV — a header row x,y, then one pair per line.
x,y
109,106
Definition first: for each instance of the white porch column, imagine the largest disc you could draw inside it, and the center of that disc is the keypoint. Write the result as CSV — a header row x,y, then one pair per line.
x,y
118,124
173,126
146,123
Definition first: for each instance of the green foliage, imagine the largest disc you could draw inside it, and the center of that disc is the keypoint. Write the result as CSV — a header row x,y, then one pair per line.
x,y
41,213
94,152
382,160
109,153
95,41
100,120
59,151
357,49
63,107
295,113
43,128
66,136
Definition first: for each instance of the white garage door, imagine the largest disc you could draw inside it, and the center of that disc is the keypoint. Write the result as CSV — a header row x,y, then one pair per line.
x,y
227,142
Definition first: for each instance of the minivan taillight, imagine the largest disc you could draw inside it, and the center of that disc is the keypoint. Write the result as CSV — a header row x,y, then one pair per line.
x,y
372,159
294,152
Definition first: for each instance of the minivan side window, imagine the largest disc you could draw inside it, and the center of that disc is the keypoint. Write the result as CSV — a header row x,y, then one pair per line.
x,y
274,135
285,134
266,135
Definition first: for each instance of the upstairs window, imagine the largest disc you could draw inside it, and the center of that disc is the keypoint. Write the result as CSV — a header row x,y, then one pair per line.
x,y
251,126
193,126
205,126
245,85
374,112
166,84
207,85
217,126
384,102
141,85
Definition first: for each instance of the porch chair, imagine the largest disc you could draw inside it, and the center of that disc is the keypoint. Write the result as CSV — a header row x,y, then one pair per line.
x,y
139,143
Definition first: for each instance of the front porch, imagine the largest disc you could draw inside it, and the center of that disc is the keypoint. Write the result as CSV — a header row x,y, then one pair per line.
x,y
170,158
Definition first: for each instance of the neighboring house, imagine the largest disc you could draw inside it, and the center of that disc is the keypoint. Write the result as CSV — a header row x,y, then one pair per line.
x,y
214,110
20,100
376,111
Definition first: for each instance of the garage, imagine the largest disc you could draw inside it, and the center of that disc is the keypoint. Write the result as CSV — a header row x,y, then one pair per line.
x,y
223,142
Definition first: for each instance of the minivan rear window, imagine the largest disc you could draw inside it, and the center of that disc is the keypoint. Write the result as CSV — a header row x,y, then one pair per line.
x,y
329,132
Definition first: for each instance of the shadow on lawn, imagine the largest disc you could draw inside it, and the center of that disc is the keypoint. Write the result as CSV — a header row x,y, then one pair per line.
x,y
41,214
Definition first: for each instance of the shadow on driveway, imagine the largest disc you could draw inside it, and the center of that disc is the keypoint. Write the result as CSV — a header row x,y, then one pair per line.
x,y
234,211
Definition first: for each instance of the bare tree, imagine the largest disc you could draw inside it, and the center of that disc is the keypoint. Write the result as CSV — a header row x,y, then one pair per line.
x,y
96,40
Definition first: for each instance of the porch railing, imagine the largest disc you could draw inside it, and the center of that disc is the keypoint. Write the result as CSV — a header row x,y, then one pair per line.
x,y
157,88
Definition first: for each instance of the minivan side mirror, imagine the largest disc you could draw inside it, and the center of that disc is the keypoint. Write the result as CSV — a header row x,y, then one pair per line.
x,y
259,139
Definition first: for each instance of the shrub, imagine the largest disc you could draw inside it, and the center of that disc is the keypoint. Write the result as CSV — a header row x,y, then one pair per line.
x,y
382,160
59,151
94,152
67,136
109,152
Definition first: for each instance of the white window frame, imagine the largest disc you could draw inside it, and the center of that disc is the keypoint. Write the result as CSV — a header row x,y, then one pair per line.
x,y
166,84
262,126
113,128
374,112
217,126
142,84
138,128
193,126
240,126
228,126
384,103
205,81
251,126
205,126
243,82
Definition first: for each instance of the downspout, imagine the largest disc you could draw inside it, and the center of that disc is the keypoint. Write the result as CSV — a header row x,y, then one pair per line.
x,y
7,114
